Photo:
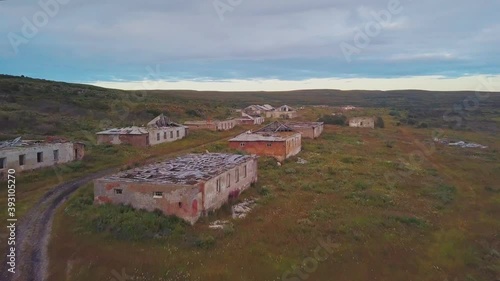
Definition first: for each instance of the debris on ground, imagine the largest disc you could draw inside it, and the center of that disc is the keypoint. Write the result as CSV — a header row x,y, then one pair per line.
x,y
467,144
461,144
242,209
302,161
218,224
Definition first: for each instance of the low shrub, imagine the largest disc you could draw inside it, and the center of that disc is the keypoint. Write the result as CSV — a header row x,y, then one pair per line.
x,y
410,221
205,241
444,193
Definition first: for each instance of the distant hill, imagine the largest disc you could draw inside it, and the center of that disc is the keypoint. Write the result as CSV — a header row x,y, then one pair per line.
x,y
36,107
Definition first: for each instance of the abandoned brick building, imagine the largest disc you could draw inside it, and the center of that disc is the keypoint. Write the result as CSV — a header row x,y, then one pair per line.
x,y
362,122
213,125
30,155
276,140
283,112
187,187
159,130
247,119
310,130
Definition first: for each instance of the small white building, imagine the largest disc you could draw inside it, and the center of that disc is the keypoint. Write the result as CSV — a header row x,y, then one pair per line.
x,y
162,129
362,122
30,155
159,130
247,119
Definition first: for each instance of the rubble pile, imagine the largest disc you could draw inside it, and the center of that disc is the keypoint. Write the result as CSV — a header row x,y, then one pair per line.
x,y
242,209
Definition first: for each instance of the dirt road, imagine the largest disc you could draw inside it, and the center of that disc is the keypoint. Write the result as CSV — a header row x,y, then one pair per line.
x,y
33,230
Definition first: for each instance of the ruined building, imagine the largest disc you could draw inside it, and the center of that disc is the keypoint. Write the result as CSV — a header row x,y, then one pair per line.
x,y
283,112
276,140
187,187
258,110
362,122
159,130
247,119
215,125
162,129
30,155
310,130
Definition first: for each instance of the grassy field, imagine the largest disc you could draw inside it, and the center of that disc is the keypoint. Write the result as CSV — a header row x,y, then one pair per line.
x,y
384,212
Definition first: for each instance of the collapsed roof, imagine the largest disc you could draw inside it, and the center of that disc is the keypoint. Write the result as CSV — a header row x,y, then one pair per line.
x,y
189,169
125,131
275,127
163,121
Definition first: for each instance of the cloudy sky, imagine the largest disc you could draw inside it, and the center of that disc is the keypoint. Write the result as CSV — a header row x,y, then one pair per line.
x,y
255,44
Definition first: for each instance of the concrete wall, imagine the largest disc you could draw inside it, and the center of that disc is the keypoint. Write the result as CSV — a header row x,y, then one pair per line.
x,y
259,120
135,140
310,132
166,134
186,202
282,114
181,201
246,121
201,126
254,121
214,199
214,125
67,152
226,125
362,122
293,145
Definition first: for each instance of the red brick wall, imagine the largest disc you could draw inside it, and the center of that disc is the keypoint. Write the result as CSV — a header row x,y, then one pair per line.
x,y
277,149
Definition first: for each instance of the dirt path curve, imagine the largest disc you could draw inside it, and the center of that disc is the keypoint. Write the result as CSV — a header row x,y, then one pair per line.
x,y
33,230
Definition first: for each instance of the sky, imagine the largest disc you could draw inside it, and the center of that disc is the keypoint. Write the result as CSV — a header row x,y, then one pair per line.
x,y
241,45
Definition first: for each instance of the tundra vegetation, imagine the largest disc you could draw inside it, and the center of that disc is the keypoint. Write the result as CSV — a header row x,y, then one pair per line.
x,y
394,203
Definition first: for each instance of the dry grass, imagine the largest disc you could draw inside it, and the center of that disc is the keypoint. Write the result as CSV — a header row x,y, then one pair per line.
x,y
384,230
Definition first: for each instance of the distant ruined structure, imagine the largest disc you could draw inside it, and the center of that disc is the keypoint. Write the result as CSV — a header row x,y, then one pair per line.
x,y
310,130
247,119
159,130
362,122
276,140
188,187
215,125
282,112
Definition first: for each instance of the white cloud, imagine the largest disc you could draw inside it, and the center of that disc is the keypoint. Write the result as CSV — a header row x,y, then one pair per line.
x,y
431,83
424,56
